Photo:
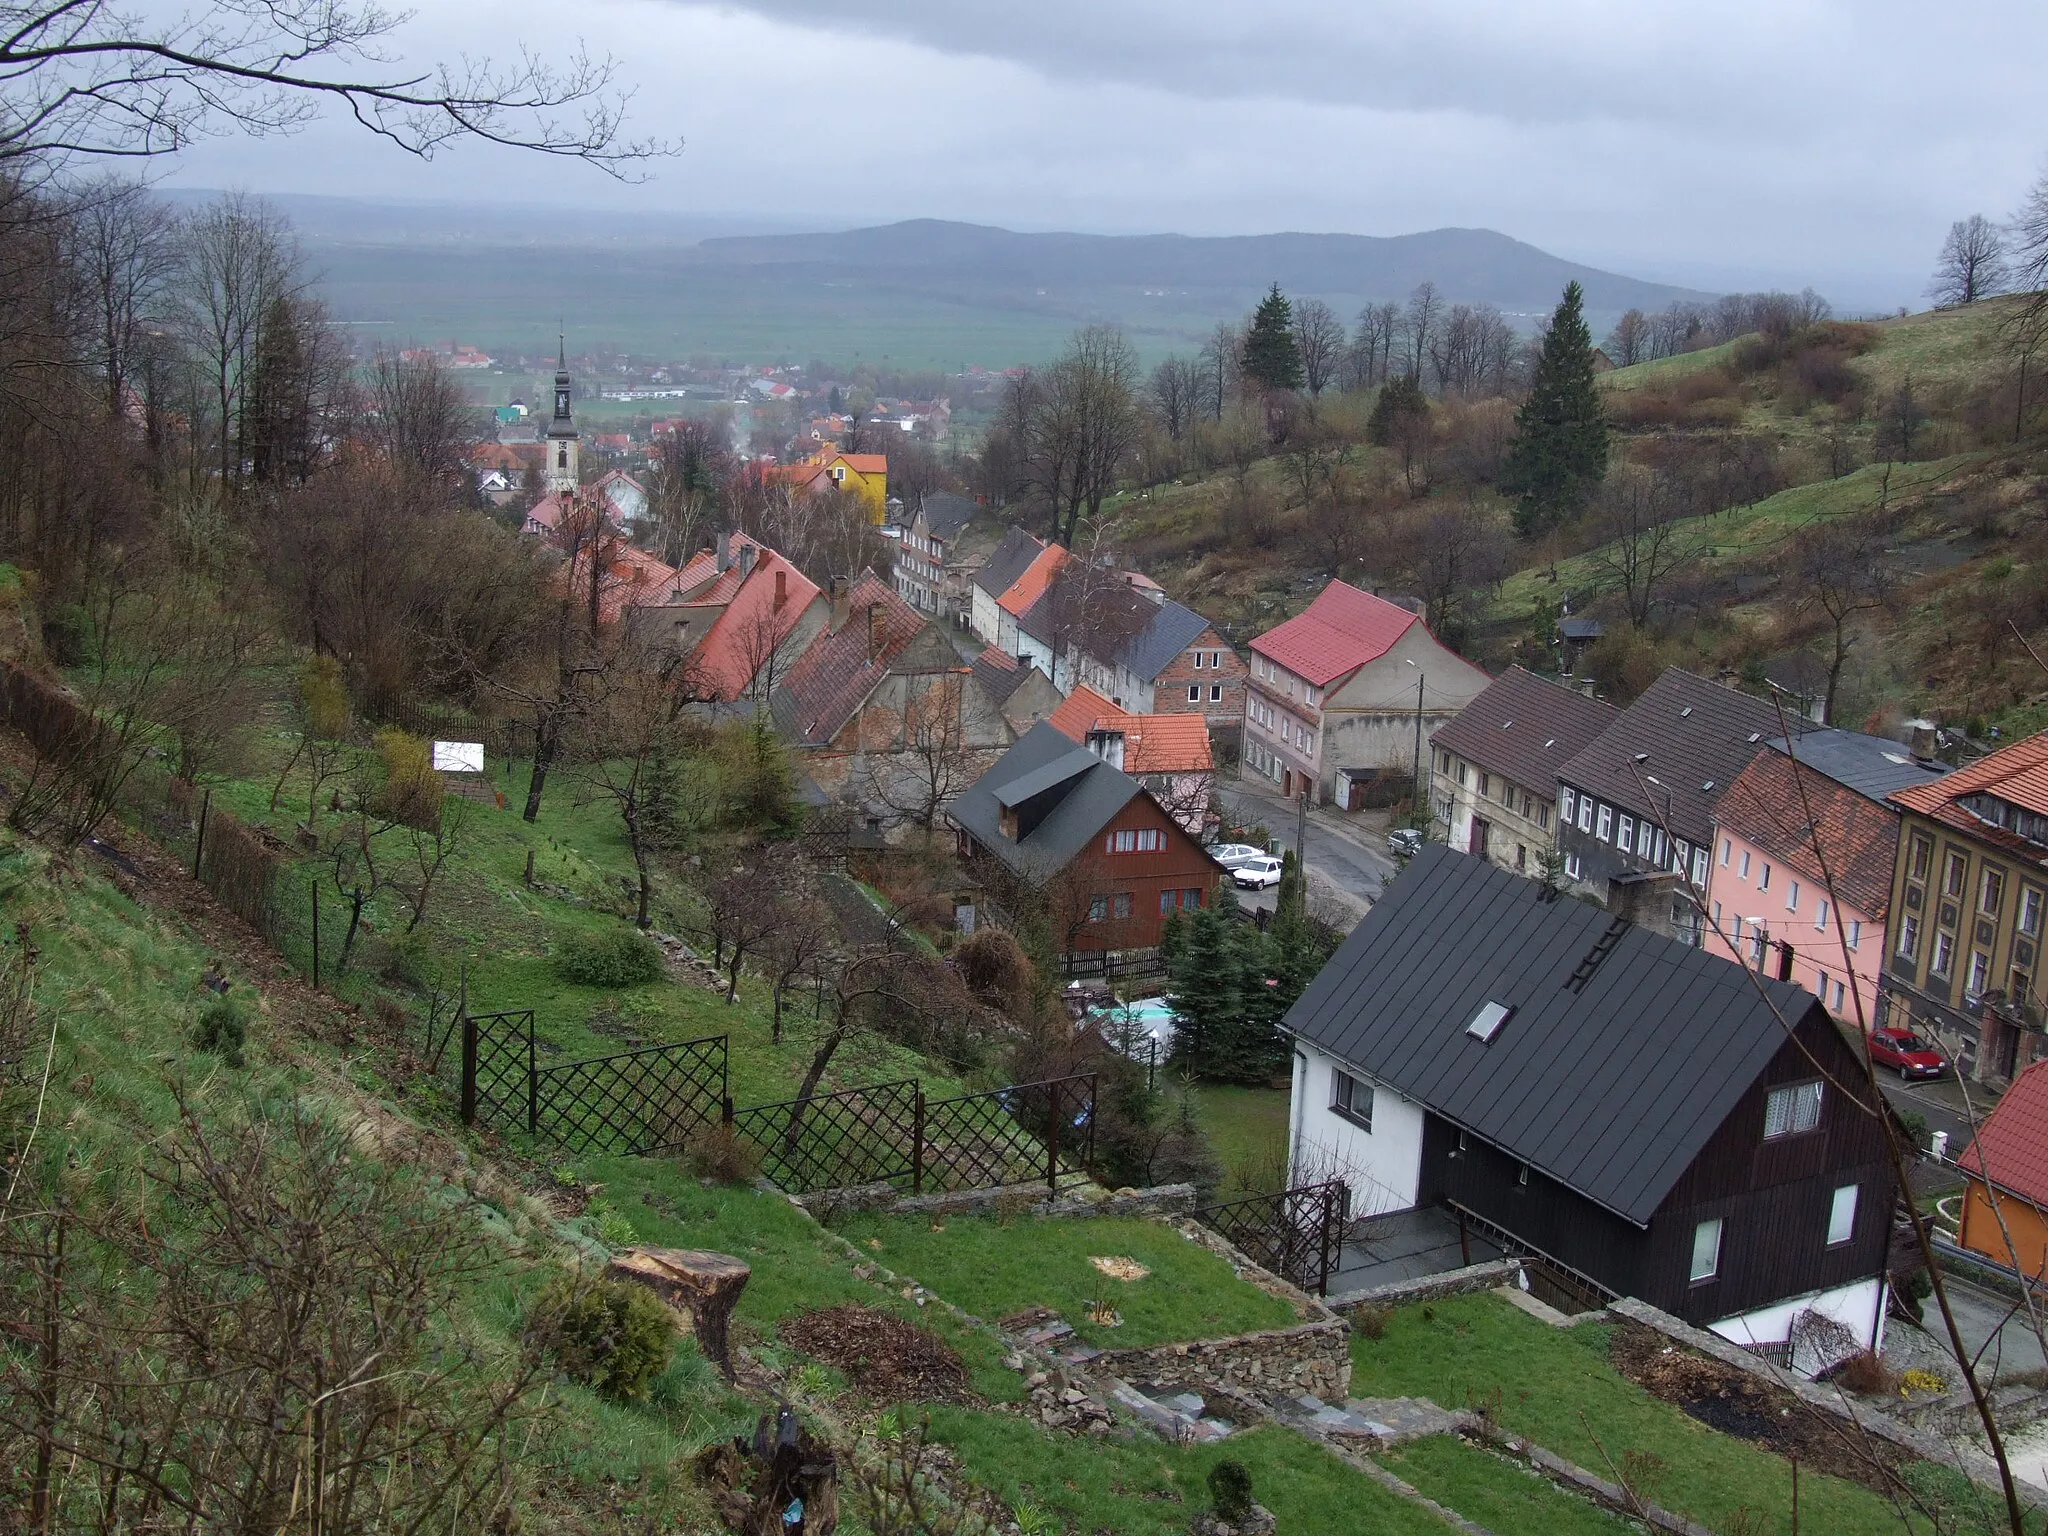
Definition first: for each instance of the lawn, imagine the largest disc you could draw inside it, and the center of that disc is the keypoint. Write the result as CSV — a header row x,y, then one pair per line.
x,y
994,1269
1557,1387
1248,1129
1145,1488
1503,1495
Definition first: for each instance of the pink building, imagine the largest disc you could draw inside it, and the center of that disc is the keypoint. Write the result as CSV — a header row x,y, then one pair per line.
x,y
1769,902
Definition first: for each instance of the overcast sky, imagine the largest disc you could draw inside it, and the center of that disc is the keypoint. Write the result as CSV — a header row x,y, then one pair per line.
x,y
1718,143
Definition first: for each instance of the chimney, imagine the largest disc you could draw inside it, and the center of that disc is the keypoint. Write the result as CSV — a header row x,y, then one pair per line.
x,y
1586,686
1925,739
747,555
874,630
781,586
724,550
1109,746
841,603
1644,899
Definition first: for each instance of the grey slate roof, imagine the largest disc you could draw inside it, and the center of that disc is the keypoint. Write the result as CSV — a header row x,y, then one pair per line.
x,y
1613,1090
947,512
999,572
1581,629
1525,728
1078,795
1870,765
1696,737
997,680
1173,629
1114,623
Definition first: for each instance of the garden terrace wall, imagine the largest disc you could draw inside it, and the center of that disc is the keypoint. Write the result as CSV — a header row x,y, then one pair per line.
x,y
1016,1199
1313,1358
1451,1282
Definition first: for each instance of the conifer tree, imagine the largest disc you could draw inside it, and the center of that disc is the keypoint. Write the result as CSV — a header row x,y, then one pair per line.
x,y
1400,398
1560,447
1271,356
1205,992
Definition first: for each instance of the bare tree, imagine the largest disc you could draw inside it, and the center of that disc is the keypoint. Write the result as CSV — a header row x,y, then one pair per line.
x,y
1418,325
1319,339
1451,551
1218,362
1901,420
1075,422
1839,576
92,80
744,908
1629,342
1370,360
932,758
1644,536
419,420
1972,264
1175,393
123,245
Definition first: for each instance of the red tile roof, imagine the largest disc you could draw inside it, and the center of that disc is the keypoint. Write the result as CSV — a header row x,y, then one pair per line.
x,y
753,624
632,578
2011,1149
1152,743
865,463
1859,836
2018,773
833,679
1339,632
1038,575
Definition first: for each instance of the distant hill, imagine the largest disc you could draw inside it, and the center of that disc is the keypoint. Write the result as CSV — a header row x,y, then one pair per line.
x,y
1472,265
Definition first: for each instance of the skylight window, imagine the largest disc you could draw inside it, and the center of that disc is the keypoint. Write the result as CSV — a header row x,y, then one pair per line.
x,y
1706,787
1487,1021
1755,737
1683,713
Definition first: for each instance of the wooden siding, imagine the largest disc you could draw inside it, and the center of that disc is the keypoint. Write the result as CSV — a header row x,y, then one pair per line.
x,y
1180,866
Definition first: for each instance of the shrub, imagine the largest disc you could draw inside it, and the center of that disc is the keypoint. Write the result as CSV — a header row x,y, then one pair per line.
x,y
721,1154
610,1335
1370,1322
67,632
411,791
325,698
618,957
1863,1372
222,1030
1230,1486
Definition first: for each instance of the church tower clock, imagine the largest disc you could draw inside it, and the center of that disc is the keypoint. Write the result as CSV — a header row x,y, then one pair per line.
x,y
562,439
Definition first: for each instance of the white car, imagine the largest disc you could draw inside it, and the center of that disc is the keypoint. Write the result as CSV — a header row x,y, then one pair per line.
x,y
1257,874
1235,855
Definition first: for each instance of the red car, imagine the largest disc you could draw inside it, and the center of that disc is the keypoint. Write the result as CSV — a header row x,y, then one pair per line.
x,y
1906,1051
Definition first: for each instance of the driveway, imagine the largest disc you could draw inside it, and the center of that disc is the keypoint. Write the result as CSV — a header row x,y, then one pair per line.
x,y
1347,860
1941,1103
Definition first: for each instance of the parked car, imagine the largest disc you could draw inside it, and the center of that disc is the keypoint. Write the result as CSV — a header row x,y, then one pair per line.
x,y
1256,874
1907,1052
1235,855
1404,842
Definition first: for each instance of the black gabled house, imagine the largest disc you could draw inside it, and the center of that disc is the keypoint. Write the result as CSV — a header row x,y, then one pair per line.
x,y
1640,1113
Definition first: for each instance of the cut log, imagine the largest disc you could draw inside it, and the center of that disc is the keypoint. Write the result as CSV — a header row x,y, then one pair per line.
x,y
705,1285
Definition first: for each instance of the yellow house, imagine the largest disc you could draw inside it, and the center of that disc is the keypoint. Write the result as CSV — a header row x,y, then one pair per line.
x,y
866,475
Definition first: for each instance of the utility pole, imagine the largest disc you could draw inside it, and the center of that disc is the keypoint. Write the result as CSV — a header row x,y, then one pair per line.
x,y
1301,838
1420,801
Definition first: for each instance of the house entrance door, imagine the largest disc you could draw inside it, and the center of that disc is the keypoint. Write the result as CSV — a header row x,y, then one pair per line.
x,y
1479,832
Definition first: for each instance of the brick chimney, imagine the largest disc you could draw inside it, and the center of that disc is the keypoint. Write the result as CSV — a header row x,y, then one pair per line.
x,y
1644,899
781,586
841,603
874,630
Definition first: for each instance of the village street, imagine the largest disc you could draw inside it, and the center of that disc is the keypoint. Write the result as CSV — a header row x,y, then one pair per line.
x,y
1348,860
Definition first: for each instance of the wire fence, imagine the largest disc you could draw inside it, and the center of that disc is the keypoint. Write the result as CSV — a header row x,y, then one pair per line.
x,y
1297,1233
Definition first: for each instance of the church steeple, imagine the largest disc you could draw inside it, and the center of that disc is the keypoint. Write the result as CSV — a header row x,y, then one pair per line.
x,y
562,439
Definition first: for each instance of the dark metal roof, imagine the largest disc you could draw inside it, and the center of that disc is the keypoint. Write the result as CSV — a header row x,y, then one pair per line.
x,y
1581,629
1612,1086
1012,557
1694,737
1084,793
1110,621
947,512
999,675
1173,629
1525,728
1873,766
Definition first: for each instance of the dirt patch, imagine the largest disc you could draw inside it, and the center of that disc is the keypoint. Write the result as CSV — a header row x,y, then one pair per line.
x,y
883,1355
1734,1402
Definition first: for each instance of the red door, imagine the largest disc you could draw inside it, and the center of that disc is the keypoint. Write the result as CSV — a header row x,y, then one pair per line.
x,y
1478,842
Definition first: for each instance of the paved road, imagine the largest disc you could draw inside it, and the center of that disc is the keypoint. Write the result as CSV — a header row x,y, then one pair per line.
x,y
1347,861
1940,1103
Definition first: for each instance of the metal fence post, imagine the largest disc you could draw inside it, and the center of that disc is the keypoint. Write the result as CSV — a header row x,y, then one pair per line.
x,y
1094,1086
1052,1140
316,932
468,1069
532,1081
199,846
917,1140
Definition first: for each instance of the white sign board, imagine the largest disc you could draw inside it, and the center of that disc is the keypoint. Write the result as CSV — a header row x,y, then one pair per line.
x,y
459,756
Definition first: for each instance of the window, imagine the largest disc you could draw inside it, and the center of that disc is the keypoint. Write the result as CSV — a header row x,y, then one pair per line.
x,y
1717,914
1167,901
1943,960
1606,823
1571,865
1191,898
1585,814
1820,915
1909,938
1121,904
1991,891
1566,802
1194,693
1706,1249
1724,852
1745,864
1822,990
1917,853
1543,816
1699,867
1791,1110
2030,910
1838,997
1098,909
1351,1099
1792,897
1646,838
1764,884
1955,871
1625,832
1842,1216
1980,974
1215,693
1757,945
1485,786
1855,932
1200,660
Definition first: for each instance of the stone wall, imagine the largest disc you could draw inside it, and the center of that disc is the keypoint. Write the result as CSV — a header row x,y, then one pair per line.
x,y
1162,1200
1452,1282
1279,1362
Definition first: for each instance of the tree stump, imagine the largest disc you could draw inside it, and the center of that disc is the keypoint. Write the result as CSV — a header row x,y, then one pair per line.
x,y
705,1285
785,1483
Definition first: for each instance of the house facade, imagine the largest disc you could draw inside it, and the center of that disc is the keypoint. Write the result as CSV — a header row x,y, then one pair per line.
x,y
2005,1178
1799,884
1493,786
1169,754
1640,798
1627,1109
1351,681
1053,824
1969,888
998,573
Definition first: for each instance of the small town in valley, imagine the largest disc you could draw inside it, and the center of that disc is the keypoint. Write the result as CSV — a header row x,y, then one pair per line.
x,y
937,839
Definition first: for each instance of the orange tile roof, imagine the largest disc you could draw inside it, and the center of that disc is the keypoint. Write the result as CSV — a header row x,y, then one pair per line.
x,y
2011,1149
1859,836
865,463
631,578
1152,743
834,678
2018,773
753,623
1038,575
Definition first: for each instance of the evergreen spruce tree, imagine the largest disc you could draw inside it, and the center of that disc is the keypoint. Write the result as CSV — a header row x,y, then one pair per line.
x,y
1256,1051
1270,355
1400,398
1560,447
1205,993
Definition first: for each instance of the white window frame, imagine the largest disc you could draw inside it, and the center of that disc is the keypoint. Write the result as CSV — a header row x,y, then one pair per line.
x,y
1567,803
1794,1109
1585,813
1605,829
1842,1215
1726,845
1625,832
1792,896
1706,1250
1344,1099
